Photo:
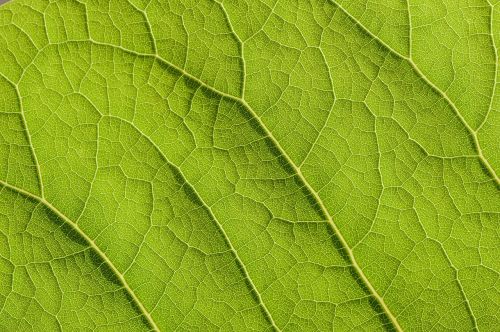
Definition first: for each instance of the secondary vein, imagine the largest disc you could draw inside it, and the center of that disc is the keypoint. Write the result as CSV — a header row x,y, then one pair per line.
x,y
315,195
434,87
92,245
332,225
233,250
28,135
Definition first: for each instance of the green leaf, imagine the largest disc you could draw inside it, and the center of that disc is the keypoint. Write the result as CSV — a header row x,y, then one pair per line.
x,y
249,165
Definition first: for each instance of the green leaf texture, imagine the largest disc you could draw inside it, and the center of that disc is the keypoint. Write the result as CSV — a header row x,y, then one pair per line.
x,y
305,165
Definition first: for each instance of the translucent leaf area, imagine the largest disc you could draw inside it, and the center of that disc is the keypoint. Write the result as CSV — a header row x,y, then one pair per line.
x,y
239,165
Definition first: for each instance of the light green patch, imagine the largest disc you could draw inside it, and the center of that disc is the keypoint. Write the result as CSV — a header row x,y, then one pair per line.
x,y
249,165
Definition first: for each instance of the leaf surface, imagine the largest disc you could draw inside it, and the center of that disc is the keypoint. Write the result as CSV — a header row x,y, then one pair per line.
x,y
249,165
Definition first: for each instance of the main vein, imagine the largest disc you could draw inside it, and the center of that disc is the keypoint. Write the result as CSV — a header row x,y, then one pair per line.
x,y
92,245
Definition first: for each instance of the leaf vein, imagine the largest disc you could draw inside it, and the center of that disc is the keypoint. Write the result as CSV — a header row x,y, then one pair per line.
x,y
92,245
